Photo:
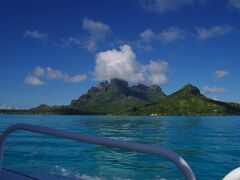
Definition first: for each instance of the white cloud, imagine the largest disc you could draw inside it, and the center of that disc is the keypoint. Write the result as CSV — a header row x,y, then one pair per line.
x,y
5,107
67,42
158,70
43,37
97,33
221,74
34,78
95,26
158,67
59,75
74,40
148,35
169,35
38,71
235,4
216,31
164,6
158,79
34,81
172,34
210,90
123,64
118,64
77,78
55,74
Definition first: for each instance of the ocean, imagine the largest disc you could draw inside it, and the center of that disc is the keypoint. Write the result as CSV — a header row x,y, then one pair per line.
x,y
210,145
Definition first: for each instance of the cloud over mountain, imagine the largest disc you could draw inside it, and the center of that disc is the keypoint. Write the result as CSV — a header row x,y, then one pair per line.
x,y
123,64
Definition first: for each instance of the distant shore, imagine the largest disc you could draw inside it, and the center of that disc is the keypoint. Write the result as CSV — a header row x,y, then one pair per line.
x,y
30,112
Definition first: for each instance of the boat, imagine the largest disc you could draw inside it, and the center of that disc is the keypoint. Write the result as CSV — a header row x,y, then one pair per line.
x,y
185,169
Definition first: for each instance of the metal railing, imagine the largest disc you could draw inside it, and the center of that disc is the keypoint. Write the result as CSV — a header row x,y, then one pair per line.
x,y
137,147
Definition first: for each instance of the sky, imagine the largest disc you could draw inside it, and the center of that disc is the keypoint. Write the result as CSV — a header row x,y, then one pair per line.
x,y
52,52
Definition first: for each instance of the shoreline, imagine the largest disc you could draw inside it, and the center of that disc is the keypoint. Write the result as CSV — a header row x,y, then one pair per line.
x,y
118,115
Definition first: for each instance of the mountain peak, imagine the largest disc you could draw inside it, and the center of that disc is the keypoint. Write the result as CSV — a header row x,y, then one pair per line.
x,y
118,85
189,85
118,82
155,88
187,90
115,85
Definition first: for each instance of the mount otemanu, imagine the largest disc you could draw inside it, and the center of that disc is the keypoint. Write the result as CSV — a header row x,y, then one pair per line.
x,y
118,98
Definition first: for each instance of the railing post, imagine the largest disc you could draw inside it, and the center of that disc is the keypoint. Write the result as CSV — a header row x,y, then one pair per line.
x,y
149,149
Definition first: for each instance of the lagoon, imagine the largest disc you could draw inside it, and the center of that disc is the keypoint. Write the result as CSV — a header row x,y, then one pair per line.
x,y
210,145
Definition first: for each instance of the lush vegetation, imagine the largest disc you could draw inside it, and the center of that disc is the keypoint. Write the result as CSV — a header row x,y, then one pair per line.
x,y
46,110
117,98
188,101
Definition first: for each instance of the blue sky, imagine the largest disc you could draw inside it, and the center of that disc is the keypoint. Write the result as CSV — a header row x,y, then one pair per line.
x,y
54,51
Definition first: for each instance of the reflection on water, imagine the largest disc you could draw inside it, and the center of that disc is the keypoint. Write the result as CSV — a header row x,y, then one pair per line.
x,y
209,144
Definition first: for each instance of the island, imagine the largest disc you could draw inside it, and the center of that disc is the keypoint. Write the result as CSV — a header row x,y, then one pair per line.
x,y
118,98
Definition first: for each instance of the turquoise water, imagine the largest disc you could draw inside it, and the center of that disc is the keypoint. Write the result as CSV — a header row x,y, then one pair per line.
x,y
210,145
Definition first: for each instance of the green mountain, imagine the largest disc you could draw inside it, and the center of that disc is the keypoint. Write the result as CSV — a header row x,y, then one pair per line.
x,y
116,97
189,101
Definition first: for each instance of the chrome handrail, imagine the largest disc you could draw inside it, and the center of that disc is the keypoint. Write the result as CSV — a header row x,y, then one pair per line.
x,y
129,146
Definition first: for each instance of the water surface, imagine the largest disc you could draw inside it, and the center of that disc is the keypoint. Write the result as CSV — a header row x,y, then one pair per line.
x,y
210,145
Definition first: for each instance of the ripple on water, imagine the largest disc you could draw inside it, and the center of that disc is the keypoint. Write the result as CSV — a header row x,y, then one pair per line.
x,y
209,144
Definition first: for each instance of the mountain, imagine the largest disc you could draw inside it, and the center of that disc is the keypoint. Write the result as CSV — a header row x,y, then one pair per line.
x,y
189,101
117,96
